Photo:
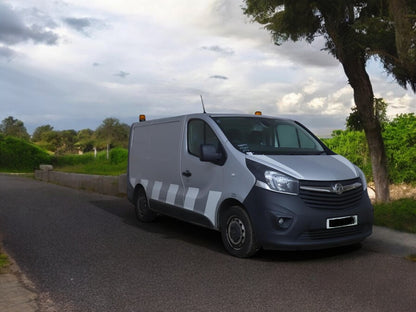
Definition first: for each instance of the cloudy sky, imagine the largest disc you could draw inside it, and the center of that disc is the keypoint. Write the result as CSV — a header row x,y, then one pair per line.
x,y
73,63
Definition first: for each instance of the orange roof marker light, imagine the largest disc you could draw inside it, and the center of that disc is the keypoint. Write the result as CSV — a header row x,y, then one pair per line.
x,y
258,113
142,117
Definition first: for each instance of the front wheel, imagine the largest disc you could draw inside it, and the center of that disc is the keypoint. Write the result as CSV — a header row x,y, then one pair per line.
x,y
237,233
143,212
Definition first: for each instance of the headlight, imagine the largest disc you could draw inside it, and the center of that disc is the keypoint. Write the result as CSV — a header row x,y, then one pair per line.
x,y
362,177
281,183
272,180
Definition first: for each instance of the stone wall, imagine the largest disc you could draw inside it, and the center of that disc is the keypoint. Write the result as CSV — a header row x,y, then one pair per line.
x,y
110,185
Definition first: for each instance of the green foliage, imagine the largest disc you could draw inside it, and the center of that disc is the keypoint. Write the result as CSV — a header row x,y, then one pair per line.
x,y
4,261
40,133
353,146
73,159
118,155
18,155
380,28
13,127
68,139
88,164
59,142
400,143
85,140
354,122
112,132
399,215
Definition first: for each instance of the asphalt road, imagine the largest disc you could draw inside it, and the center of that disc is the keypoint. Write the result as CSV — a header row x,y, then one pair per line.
x,y
87,253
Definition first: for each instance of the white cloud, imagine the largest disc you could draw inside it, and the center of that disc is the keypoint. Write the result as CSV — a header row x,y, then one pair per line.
x,y
290,103
400,105
317,104
311,86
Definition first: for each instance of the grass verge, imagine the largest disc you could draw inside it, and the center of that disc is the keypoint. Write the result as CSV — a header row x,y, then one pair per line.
x,y
398,215
4,261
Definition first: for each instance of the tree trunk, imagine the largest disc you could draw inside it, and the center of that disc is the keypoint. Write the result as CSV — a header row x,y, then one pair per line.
x,y
354,67
352,58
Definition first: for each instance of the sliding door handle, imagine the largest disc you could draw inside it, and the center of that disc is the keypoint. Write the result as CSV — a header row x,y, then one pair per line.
x,y
187,173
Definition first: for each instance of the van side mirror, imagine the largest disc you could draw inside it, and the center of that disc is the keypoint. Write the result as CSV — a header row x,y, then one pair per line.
x,y
209,153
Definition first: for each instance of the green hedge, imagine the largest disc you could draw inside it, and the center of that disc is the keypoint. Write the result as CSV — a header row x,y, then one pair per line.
x,y
117,156
73,159
18,155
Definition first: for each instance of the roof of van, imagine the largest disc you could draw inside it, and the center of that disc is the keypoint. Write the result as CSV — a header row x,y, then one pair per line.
x,y
241,115
222,115
200,115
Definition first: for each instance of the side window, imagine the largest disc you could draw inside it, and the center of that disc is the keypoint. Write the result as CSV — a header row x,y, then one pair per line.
x,y
200,133
195,136
306,142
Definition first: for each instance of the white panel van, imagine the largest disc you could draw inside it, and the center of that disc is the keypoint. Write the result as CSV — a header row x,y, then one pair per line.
x,y
263,182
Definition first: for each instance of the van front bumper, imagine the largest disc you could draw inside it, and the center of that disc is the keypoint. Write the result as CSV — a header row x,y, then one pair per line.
x,y
287,222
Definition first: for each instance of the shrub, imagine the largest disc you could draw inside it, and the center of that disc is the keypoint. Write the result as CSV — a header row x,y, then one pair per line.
x,y
400,141
18,155
353,146
89,164
118,155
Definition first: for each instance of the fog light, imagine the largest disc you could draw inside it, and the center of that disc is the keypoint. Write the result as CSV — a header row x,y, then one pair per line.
x,y
284,222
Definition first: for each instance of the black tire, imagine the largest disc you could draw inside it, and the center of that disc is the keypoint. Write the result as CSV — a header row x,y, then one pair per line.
x,y
143,212
237,233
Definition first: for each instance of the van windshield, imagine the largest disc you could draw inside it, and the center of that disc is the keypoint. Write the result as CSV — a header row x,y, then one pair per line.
x,y
269,136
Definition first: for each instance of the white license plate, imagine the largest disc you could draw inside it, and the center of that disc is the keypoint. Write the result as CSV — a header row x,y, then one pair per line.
x,y
334,223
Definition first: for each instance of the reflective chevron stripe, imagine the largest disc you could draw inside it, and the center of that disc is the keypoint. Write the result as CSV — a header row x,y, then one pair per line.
x,y
168,193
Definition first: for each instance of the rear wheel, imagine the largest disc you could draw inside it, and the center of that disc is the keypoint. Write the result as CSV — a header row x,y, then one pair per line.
x,y
237,233
143,212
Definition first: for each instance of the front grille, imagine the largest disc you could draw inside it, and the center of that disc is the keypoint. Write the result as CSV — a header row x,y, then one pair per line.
x,y
331,233
321,194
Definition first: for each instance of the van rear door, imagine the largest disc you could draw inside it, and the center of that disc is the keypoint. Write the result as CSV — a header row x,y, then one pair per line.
x,y
155,160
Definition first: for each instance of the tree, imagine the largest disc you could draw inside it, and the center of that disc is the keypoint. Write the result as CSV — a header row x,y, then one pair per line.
x,y
112,133
51,140
68,138
403,14
354,31
85,140
354,122
14,127
39,133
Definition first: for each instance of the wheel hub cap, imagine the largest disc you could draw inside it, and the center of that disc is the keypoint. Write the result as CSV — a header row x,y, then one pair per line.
x,y
236,232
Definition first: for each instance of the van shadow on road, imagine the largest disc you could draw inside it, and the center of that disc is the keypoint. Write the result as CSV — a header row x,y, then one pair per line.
x,y
170,228
166,227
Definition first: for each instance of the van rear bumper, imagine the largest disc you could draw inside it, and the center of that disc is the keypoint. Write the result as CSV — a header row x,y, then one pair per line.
x,y
285,222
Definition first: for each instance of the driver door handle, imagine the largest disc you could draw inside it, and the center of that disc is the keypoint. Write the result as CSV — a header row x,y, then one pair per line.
x,y
187,173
